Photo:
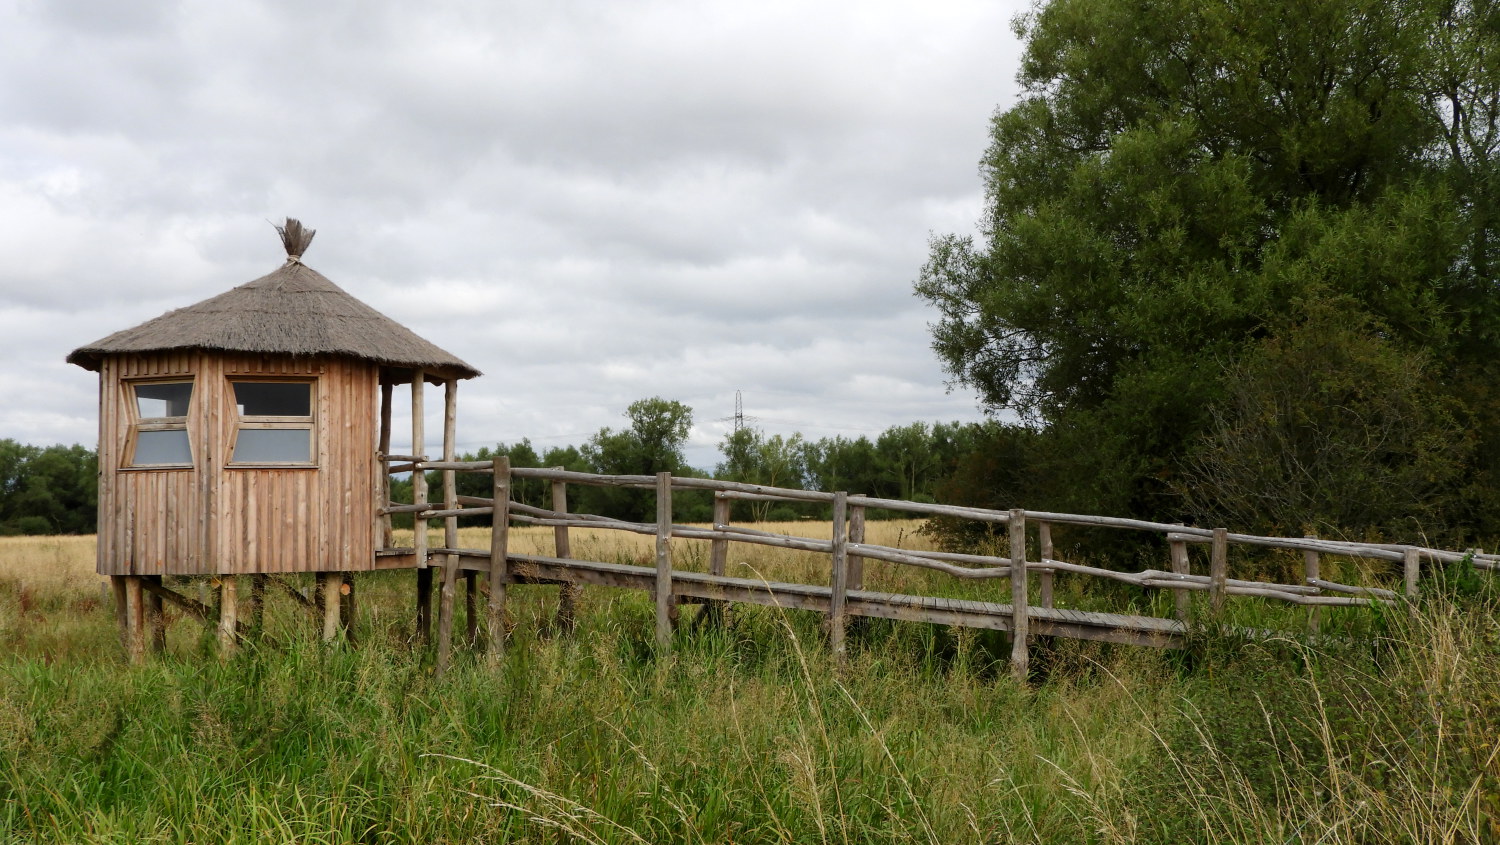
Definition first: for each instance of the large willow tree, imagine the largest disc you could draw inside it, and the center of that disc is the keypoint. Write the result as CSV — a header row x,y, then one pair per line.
x,y
1184,188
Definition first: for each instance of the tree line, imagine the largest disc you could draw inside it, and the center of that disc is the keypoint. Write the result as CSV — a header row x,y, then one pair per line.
x,y
47,490
912,462
54,489
1240,267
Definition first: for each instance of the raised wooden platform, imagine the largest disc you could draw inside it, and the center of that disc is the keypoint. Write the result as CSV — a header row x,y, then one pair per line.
x,y
1047,621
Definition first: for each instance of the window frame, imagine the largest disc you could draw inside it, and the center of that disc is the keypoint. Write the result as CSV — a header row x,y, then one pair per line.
x,y
242,422
139,424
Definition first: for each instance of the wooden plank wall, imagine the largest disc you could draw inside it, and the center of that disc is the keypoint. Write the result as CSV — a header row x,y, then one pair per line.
x,y
149,520
216,519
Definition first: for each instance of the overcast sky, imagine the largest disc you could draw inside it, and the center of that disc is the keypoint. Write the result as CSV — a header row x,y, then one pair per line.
x,y
590,202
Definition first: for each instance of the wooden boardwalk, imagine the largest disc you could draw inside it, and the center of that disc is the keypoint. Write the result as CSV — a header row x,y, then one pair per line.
x,y
1047,621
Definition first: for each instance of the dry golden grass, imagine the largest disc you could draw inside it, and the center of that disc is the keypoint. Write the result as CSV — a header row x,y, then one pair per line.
x,y
66,563
52,564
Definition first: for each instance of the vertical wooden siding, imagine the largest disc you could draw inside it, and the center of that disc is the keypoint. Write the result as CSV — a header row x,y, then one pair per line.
x,y
149,520
216,519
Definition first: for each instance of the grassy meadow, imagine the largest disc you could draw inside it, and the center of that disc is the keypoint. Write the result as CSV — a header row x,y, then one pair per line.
x,y
748,733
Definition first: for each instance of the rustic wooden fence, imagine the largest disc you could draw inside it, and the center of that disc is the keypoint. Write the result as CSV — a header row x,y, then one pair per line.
x,y
845,595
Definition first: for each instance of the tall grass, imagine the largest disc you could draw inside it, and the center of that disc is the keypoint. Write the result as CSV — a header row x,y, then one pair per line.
x,y
746,734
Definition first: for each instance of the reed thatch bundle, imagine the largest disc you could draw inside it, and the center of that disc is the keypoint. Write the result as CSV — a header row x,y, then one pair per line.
x,y
295,310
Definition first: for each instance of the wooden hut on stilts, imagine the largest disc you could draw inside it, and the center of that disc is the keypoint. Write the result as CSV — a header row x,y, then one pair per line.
x,y
242,437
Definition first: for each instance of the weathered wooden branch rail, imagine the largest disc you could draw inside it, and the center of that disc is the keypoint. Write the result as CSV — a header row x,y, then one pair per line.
x,y
847,552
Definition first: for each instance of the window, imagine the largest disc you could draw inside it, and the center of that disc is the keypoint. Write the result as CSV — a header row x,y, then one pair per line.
x,y
275,423
158,436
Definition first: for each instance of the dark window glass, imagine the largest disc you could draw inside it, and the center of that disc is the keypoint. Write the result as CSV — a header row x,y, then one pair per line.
x,y
273,398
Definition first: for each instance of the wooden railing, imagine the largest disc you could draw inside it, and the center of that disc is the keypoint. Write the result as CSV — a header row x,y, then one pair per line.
x,y
848,550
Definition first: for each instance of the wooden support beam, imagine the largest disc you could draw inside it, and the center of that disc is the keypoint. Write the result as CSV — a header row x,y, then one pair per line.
x,y
196,609
1312,571
838,598
306,603
1020,604
424,605
499,572
664,602
229,615
1044,541
450,529
1181,566
568,592
1218,570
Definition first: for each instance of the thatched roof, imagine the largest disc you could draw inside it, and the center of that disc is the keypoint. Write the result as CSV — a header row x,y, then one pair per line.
x,y
294,311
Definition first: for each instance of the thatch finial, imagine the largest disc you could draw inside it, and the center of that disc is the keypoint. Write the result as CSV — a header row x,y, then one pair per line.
x,y
295,238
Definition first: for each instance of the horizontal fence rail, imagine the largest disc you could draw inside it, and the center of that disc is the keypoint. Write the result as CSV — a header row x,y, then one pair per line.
x,y
848,551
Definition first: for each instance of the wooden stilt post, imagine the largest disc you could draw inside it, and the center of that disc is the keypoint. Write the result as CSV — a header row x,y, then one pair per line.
x,y
1218,570
1312,569
348,607
839,581
332,601
122,618
1411,567
229,615
1181,566
1044,544
156,617
450,528
384,539
664,560
471,608
567,597
1020,628
424,606
135,623
419,525
499,572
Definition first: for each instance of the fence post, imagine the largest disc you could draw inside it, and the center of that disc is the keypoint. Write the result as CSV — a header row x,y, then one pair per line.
x,y
568,592
1044,543
499,571
718,560
839,580
450,527
1181,599
1411,565
664,560
1020,627
856,535
1312,567
1218,569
